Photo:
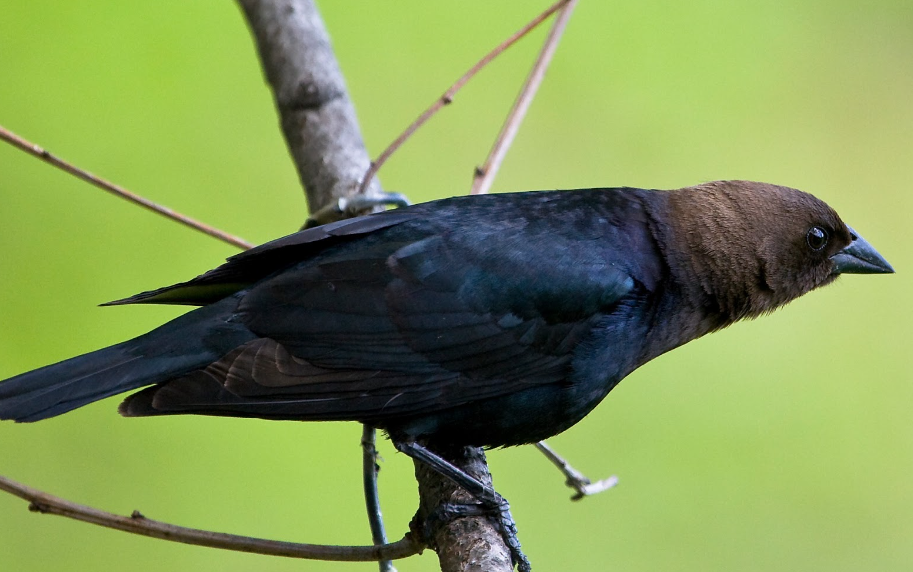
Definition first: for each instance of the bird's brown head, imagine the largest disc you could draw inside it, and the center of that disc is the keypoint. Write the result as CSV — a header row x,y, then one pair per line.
x,y
753,247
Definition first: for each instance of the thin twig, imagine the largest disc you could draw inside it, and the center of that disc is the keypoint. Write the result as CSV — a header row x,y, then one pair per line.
x,y
575,479
44,155
138,524
451,92
372,498
485,175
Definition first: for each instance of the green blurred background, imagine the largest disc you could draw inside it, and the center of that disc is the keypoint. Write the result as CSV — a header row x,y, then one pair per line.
x,y
781,444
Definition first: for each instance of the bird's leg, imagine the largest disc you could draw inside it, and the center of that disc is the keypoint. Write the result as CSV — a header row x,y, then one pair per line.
x,y
574,478
485,494
370,469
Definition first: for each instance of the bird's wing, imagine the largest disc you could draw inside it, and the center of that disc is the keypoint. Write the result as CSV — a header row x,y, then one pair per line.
x,y
246,268
404,327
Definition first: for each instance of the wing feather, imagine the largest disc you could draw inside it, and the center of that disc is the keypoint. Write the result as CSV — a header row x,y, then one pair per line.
x,y
405,320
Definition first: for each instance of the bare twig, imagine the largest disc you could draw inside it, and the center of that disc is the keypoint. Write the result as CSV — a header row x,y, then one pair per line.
x,y
138,524
451,92
372,499
575,479
44,155
484,176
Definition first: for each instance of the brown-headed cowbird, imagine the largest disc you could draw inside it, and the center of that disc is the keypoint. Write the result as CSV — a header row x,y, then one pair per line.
x,y
484,320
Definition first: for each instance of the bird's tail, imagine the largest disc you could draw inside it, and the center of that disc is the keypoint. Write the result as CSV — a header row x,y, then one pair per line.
x,y
185,344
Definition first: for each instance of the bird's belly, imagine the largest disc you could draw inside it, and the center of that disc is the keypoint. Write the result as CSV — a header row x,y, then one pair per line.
x,y
516,419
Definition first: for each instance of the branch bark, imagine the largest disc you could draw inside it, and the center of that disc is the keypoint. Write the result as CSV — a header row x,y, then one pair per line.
x,y
316,114
323,136
136,523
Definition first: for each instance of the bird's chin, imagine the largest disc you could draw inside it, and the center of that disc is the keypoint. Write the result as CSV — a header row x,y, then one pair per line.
x,y
829,279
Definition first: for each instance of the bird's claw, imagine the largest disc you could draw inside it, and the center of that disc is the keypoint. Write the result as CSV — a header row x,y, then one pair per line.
x,y
354,205
508,529
445,513
489,500
357,203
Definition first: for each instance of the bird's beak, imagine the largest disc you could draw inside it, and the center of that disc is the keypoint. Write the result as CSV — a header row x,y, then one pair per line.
x,y
860,258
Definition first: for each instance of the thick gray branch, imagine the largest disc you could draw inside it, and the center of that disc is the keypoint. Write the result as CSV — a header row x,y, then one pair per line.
x,y
323,136
316,114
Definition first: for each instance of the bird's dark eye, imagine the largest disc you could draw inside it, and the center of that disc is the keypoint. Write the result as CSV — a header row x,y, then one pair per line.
x,y
816,238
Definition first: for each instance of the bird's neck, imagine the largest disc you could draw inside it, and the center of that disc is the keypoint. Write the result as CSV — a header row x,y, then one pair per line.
x,y
716,269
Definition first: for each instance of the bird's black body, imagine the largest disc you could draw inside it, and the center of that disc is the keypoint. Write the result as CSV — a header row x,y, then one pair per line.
x,y
488,320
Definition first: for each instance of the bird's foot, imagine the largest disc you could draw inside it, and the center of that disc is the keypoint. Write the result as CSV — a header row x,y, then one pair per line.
x,y
354,205
447,512
358,203
508,529
490,502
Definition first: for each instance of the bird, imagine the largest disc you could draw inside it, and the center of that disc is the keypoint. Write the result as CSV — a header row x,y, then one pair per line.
x,y
487,320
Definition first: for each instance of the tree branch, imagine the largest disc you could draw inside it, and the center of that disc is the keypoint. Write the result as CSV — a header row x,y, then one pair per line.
x,y
369,472
47,157
574,479
317,117
322,133
138,524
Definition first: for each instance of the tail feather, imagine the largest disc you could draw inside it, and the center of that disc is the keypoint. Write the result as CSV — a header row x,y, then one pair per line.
x,y
181,346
